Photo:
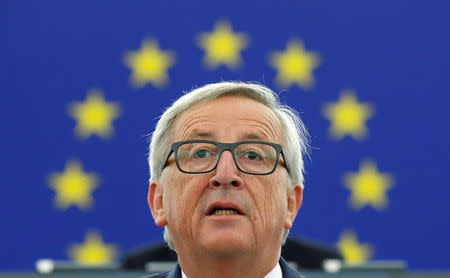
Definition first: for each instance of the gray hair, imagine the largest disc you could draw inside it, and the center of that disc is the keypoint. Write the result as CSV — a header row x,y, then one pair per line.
x,y
295,136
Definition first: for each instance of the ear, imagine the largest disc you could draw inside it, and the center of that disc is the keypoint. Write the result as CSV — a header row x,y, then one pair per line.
x,y
294,202
155,202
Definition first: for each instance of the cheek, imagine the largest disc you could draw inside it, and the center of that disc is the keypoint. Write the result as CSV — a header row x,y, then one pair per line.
x,y
181,197
274,203
173,194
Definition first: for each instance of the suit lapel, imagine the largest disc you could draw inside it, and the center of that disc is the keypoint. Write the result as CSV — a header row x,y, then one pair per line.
x,y
288,272
175,273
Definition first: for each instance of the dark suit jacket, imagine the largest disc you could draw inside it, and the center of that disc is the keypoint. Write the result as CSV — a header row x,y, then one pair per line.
x,y
305,253
288,272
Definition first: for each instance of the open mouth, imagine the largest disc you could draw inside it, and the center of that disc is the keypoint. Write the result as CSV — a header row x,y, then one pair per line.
x,y
226,211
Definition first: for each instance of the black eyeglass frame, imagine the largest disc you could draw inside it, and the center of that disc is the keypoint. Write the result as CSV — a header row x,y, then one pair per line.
x,y
225,147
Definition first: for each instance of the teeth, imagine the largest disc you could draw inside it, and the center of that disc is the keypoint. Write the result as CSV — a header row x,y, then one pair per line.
x,y
224,212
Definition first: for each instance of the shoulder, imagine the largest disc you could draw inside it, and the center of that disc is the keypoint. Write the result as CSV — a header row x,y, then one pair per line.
x,y
158,275
288,272
175,273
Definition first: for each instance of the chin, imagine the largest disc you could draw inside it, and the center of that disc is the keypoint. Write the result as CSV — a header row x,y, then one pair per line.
x,y
226,242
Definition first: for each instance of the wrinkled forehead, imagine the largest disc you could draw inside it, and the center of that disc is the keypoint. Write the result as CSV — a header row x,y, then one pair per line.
x,y
228,118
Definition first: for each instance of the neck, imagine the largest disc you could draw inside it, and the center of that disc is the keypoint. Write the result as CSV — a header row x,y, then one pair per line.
x,y
206,265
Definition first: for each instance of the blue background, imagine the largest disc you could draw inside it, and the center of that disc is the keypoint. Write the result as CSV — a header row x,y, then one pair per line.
x,y
394,54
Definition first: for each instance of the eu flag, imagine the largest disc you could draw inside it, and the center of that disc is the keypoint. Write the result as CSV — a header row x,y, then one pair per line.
x,y
83,82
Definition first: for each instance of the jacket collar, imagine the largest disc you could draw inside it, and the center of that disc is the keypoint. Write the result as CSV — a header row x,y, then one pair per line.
x,y
288,272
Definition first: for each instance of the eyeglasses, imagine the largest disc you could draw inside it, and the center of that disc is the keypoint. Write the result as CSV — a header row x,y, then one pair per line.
x,y
202,156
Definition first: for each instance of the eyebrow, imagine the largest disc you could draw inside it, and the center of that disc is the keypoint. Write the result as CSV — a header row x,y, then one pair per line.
x,y
201,134
253,136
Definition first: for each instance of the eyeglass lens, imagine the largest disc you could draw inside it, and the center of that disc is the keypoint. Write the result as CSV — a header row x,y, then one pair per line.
x,y
255,158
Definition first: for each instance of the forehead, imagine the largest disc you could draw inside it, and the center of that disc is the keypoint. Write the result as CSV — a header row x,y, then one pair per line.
x,y
228,119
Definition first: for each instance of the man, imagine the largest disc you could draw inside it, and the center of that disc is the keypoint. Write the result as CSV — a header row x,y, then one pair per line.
x,y
227,180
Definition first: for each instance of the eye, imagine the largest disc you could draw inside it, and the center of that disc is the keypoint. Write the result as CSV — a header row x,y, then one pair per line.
x,y
202,153
252,156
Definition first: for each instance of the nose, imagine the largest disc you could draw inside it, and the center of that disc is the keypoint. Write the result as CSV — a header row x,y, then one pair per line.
x,y
226,172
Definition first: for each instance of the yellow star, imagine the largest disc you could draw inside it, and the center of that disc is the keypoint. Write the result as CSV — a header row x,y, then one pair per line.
x,y
93,251
352,251
149,64
295,65
222,46
368,187
73,186
94,116
348,116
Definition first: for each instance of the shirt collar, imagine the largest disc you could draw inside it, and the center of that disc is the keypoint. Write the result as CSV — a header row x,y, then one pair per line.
x,y
274,273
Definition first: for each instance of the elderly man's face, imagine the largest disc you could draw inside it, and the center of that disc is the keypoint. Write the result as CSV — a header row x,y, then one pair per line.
x,y
184,201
